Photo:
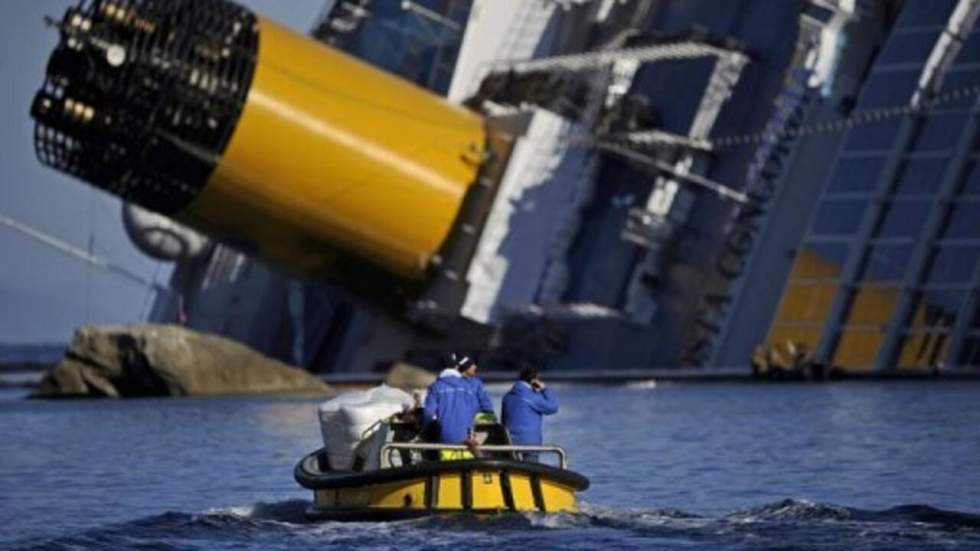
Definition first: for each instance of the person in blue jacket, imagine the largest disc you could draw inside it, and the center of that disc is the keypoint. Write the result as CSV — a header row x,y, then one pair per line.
x,y
455,397
523,408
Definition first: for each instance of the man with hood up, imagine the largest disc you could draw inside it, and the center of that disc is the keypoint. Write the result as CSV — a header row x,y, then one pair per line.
x,y
454,399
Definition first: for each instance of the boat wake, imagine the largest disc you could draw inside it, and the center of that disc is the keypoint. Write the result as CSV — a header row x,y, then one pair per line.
x,y
789,523
288,511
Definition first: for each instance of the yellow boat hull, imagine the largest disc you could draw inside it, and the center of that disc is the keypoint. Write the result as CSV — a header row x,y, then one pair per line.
x,y
480,486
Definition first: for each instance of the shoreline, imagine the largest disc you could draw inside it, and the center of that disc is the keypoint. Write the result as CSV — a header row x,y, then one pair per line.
x,y
26,378
627,376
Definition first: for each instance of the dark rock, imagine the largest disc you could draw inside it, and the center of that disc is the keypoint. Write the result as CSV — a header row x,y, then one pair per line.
x,y
409,377
166,360
64,379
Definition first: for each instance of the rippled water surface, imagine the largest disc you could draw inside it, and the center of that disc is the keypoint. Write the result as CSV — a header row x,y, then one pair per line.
x,y
839,466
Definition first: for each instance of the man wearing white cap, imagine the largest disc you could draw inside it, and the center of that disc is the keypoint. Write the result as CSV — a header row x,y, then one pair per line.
x,y
454,399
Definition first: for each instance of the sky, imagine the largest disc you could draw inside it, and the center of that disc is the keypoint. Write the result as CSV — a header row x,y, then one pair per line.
x,y
44,293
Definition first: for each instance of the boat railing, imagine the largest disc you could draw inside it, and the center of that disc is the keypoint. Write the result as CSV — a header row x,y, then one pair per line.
x,y
390,448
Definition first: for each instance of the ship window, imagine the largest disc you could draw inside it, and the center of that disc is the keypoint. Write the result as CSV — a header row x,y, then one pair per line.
x,y
971,352
953,264
925,12
909,47
903,218
889,89
886,263
922,350
972,184
873,137
858,348
839,216
805,303
856,175
935,310
960,78
963,221
970,52
920,176
872,305
940,132
820,261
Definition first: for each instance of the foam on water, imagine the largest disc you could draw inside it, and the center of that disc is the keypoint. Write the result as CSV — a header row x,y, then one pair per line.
x,y
642,385
788,523
291,511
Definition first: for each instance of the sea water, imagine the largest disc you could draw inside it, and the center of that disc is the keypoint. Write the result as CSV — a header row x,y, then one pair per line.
x,y
672,466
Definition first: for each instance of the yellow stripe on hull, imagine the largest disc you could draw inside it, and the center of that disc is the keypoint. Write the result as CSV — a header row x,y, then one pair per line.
x,y
449,492
520,487
557,497
488,493
393,495
487,490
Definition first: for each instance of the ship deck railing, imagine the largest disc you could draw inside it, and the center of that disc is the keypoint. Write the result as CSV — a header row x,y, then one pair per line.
x,y
387,451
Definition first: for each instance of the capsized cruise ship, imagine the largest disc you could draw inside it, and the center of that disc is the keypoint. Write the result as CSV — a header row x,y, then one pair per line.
x,y
689,183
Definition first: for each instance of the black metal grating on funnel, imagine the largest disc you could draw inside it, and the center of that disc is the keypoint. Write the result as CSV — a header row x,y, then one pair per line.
x,y
141,97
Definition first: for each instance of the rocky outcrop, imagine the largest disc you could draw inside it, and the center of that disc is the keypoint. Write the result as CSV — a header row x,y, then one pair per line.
x,y
789,361
166,360
409,377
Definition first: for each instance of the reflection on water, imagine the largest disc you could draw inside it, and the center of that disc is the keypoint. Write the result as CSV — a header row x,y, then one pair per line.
x,y
669,464
296,418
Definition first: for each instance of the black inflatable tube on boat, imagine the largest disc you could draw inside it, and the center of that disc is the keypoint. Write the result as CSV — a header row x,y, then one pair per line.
x,y
308,475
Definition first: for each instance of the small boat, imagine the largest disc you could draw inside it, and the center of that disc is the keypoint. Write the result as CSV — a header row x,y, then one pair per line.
x,y
394,476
